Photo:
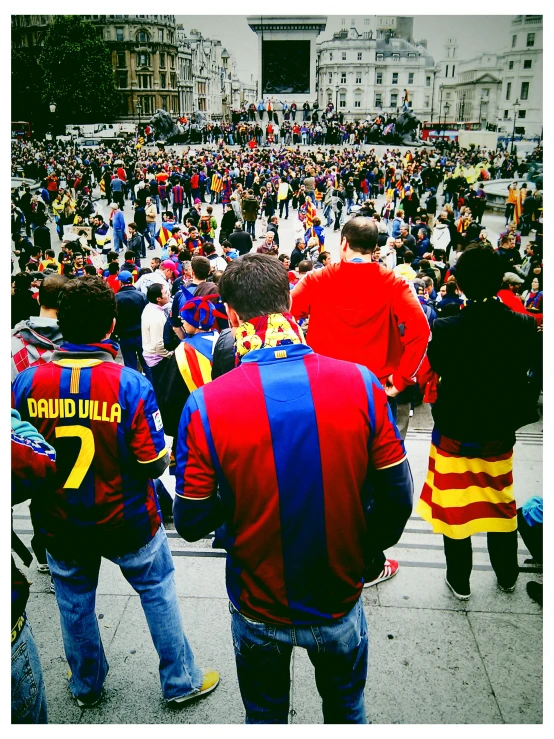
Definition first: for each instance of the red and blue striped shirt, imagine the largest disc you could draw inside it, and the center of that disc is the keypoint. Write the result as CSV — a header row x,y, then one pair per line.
x,y
282,448
103,421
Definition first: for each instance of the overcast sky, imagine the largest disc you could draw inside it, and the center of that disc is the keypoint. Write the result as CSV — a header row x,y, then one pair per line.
x,y
475,34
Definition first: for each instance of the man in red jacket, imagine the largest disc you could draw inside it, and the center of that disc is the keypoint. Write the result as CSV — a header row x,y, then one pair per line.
x,y
362,312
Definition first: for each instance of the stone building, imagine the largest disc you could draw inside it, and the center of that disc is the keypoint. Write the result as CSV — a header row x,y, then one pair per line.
x,y
362,74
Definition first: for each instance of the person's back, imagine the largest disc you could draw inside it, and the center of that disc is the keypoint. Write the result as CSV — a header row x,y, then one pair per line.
x,y
241,241
130,304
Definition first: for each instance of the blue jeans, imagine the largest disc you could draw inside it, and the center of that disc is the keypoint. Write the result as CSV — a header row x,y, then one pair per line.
x,y
338,652
150,233
28,694
131,349
349,203
150,572
178,211
118,242
251,228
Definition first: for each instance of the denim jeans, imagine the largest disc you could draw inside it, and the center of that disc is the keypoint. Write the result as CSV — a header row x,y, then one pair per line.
x,y
150,233
28,694
131,349
178,211
251,228
283,205
150,572
328,213
338,652
118,242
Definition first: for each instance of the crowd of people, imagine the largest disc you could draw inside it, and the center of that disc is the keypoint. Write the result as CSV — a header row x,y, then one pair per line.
x,y
230,357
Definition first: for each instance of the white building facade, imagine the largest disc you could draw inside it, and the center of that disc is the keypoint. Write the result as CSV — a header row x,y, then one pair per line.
x,y
362,75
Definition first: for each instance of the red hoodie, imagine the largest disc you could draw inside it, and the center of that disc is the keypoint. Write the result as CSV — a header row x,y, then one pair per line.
x,y
355,310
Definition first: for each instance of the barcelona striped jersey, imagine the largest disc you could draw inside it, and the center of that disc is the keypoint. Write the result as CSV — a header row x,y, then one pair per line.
x,y
288,439
103,421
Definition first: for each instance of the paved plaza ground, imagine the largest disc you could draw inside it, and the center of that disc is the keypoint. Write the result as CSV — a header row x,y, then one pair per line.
x,y
433,659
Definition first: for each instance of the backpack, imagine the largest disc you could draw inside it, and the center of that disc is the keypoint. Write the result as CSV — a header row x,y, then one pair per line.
x,y
204,224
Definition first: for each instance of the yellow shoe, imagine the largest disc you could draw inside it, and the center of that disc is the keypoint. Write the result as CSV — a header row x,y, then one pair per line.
x,y
210,682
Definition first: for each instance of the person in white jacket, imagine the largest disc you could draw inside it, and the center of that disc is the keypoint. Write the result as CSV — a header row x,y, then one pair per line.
x,y
440,238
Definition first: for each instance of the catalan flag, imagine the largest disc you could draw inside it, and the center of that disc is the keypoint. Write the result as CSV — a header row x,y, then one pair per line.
x,y
311,213
469,488
164,234
217,182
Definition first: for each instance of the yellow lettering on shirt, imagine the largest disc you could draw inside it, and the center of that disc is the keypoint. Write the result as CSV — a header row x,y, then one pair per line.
x,y
67,408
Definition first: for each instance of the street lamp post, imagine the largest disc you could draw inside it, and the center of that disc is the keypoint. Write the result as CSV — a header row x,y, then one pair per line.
x,y
336,100
52,107
441,88
516,108
481,101
446,111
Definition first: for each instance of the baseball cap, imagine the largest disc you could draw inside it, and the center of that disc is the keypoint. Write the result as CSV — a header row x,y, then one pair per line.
x,y
170,264
125,276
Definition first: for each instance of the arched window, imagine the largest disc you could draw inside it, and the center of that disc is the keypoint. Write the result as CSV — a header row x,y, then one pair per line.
x,y
142,37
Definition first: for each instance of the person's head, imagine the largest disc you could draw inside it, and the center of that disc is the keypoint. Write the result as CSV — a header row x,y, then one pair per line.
x,y
113,268
511,282
535,284
408,257
197,314
201,268
400,213
158,294
48,294
270,235
305,266
79,259
36,253
50,254
439,255
169,269
125,277
155,263
428,282
358,235
130,256
442,290
324,258
424,264
78,301
112,256
404,229
421,234
254,285
90,269
209,249
479,272
238,226
451,289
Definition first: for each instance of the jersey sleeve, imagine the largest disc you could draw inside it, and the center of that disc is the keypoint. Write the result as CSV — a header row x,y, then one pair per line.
x,y
387,447
301,298
147,433
195,473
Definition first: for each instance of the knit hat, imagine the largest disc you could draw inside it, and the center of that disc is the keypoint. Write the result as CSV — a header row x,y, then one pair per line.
x,y
200,312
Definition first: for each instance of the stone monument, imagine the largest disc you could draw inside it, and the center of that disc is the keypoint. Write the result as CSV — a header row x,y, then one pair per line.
x,y
287,56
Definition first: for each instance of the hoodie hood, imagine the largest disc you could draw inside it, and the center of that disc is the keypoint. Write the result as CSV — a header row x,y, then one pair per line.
x,y
42,332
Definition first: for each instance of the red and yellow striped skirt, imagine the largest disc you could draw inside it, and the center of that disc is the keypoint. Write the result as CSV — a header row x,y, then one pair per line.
x,y
468,495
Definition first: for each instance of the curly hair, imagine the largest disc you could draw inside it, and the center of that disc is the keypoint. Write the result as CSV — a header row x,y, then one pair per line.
x,y
86,310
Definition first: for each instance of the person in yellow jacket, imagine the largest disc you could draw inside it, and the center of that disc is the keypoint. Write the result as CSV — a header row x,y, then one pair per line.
x,y
58,208
284,193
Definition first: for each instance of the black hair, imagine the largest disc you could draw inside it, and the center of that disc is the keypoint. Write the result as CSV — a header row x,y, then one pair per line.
x,y
78,301
154,292
306,265
90,269
255,285
479,272
112,256
361,234
50,289
113,268
130,256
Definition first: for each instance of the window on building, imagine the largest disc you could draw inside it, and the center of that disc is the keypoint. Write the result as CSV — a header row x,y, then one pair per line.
x,y
530,39
446,73
395,78
508,90
427,82
453,70
379,78
122,79
330,56
162,59
357,100
343,22
143,60
524,94
164,102
343,78
359,56
427,101
367,21
142,37
119,34
121,59
160,34
510,65
393,99
506,115
343,57
514,41
172,61
410,78
173,80
396,57
521,114
378,100
330,77
486,92
379,57
163,80
359,80
447,95
527,63
342,100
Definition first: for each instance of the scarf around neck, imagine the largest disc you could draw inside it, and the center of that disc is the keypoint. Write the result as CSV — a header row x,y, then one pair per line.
x,y
275,329
107,345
